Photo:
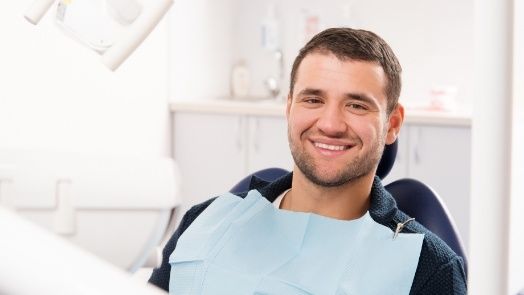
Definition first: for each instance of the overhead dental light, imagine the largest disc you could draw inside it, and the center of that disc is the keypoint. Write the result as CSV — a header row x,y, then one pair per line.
x,y
112,28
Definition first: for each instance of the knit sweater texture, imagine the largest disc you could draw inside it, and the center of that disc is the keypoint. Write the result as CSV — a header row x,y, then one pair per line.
x,y
440,271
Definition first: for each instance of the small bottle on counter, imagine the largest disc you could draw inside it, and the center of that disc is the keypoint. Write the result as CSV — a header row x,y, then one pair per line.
x,y
240,80
270,36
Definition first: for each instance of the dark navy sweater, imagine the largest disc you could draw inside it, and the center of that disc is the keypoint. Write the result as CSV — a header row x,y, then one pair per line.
x,y
440,271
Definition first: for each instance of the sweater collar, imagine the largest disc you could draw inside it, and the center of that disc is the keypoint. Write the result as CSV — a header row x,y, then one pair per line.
x,y
382,205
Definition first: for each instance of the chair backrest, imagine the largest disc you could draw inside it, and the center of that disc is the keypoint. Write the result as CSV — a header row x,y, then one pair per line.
x,y
413,198
387,160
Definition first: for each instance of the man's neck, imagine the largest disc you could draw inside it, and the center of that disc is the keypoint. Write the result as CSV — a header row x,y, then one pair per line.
x,y
345,202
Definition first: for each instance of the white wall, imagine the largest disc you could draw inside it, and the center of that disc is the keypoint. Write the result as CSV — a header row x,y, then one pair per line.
x,y
55,94
516,232
200,49
491,149
433,39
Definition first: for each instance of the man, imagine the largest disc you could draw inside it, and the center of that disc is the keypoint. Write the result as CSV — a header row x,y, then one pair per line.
x,y
334,229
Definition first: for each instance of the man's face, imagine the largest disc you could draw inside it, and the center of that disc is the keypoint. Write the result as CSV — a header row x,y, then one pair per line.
x,y
337,120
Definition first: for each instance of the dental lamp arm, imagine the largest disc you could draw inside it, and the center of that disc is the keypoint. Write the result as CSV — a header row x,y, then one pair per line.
x,y
135,35
36,11
139,30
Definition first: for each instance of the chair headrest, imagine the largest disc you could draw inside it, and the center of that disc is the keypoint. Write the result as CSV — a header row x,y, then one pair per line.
x,y
388,159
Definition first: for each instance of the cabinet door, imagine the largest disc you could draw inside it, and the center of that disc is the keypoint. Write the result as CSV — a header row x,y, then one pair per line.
x,y
210,152
268,144
440,157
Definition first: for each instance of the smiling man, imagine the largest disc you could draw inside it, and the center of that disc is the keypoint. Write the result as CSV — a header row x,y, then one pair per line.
x,y
338,121
327,227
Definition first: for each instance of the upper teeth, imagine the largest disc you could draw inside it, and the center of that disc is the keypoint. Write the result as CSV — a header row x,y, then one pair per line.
x,y
330,147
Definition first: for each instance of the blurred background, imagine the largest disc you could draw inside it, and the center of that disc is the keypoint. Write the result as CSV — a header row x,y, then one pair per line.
x,y
207,88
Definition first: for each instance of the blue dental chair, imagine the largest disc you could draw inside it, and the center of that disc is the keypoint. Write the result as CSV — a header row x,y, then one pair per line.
x,y
412,196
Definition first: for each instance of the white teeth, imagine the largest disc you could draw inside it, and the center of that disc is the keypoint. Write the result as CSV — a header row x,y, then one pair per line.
x,y
330,147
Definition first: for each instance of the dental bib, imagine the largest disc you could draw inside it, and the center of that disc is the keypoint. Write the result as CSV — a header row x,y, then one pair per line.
x,y
247,246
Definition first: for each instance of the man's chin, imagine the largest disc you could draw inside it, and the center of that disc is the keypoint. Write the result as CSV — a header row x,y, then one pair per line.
x,y
324,180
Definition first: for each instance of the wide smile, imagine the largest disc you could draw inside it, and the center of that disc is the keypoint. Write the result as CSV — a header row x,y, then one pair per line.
x,y
330,146
331,149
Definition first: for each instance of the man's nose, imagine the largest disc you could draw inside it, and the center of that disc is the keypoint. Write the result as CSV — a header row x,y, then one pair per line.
x,y
332,121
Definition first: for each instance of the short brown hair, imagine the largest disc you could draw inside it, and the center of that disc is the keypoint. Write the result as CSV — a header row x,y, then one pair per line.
x,y
347,43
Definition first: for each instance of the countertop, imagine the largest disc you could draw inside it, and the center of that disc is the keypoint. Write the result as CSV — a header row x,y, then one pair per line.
x,y
277,108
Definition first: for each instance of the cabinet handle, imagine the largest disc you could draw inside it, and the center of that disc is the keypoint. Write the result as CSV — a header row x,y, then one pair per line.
x,y
416,152
256,143
239,134
417,155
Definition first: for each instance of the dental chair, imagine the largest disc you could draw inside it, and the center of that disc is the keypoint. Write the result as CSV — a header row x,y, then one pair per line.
x,y
412,196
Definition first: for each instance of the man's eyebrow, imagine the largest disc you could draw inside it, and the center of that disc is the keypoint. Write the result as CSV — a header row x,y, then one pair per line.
x,y
352,96
311,91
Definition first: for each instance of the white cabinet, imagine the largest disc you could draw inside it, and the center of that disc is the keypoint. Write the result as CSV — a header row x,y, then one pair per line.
x,y
439,156
209,151
215,151
268,144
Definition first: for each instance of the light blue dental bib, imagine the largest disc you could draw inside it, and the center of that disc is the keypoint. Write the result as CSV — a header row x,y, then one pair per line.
x,y
247,246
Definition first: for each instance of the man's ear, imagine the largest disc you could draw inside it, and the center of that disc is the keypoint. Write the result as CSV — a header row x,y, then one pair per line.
x,y
395,120
288,104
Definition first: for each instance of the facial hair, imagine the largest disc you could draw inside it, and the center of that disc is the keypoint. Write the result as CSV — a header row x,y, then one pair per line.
x,y
361,165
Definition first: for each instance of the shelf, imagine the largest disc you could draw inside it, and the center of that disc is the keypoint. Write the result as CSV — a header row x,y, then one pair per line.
x,y
277,108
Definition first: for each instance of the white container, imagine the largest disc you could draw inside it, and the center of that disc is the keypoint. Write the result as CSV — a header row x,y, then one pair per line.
x,y
310,26
240,80
443,98
270,35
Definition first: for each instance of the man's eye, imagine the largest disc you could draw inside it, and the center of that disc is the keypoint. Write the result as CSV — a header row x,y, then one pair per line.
x,y
312,100
357,108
